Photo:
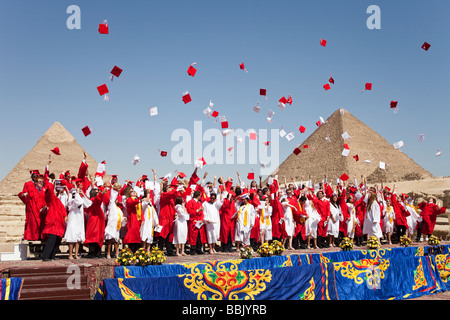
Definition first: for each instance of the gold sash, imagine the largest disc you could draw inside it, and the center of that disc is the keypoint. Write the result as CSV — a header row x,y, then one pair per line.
x,y
245,214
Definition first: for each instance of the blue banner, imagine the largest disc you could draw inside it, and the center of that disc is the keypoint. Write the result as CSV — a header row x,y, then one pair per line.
x,y
10,288
309,282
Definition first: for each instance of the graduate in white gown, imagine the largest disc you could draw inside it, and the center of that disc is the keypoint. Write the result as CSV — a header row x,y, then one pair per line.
x,y
245,219
289,224
180,229
149,224
413,219
311,223
265,225
75,232
388,220
372,218
335,217
115,220
212,219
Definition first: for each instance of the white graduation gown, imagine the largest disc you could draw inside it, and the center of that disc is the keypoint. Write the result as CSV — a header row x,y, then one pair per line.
x,y
115,218
150,222
211,213
180,229
75,231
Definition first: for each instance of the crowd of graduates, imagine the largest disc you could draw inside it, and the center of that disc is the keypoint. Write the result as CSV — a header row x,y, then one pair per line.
x,y
196,216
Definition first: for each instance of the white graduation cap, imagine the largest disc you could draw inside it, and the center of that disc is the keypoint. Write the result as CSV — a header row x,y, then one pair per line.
x,y
281,105
345,135
328,138
421,137
153,111
136,160
226,132
208,111
282,133
290,136
345,152
438,153
239,139
382,165
98,181
369,161
398,145
257,108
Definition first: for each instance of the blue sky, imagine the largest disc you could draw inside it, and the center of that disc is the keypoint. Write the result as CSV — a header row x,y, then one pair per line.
x,y
49,73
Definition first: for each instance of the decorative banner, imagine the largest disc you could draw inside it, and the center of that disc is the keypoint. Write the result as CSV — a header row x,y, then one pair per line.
x,y
10,288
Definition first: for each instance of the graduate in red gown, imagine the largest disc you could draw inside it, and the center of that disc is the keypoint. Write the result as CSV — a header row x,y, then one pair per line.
x,y
134,221
95,228
323,208
196,236
430,210
226,212
55,223
33,196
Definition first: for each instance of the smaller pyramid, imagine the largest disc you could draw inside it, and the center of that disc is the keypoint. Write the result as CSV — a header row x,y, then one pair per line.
x,y
325,158
37,158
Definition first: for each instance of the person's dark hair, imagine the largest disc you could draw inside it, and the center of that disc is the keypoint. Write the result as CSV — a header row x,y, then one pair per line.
x,y
51,176
238,191
302,199
93,193
178,200
197,194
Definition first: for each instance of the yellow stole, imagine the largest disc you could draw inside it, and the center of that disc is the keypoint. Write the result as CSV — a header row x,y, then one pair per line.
x,y
262,218
245,214
119,221
139,211
389,210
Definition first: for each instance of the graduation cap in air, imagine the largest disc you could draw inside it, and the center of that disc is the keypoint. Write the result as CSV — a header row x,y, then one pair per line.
x,y
323,42
116,71
191,70
344,177
103,89
186,97
103,28
56,151
326,87
86,131
394,104
251,176
302,129
426,46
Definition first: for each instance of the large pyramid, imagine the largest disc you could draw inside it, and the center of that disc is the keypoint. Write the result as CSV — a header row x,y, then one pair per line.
x,y
324,157
70,159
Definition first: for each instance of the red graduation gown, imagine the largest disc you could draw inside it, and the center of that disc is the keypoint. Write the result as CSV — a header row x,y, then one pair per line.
x,y
167,213
34,219
133,221
95,228
55,218
192,206
429,214
227,211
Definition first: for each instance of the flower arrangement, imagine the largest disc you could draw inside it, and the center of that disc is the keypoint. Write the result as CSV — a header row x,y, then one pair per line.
x,y
141,257
126,257
265,250
433,241
246,252
157,257
346,244
278,247
372,243
405,241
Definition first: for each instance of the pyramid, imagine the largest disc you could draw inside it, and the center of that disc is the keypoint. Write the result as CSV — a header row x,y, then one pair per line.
x,y
70,159
324,157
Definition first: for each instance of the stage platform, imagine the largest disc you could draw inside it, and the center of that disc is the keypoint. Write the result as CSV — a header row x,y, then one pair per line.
x,y
94,271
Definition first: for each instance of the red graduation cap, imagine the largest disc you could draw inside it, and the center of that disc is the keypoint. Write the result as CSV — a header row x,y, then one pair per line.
x,y
86,131
187,98
331,80
283,100
305,146
191,71
214,114
56,151
116,71
302,129
267,143
224,124
181,175
202,160
252,136
394,104
262,92
323,42
318,123
326,87
163,153
103,89
344,177
103,28
346,146
368,86
251,176
297,151
426,46
242,67
356,157
289,100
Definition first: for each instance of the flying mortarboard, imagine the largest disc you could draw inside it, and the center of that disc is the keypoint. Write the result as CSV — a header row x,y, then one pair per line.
x,y
426,46
103,28
186,97
86,131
